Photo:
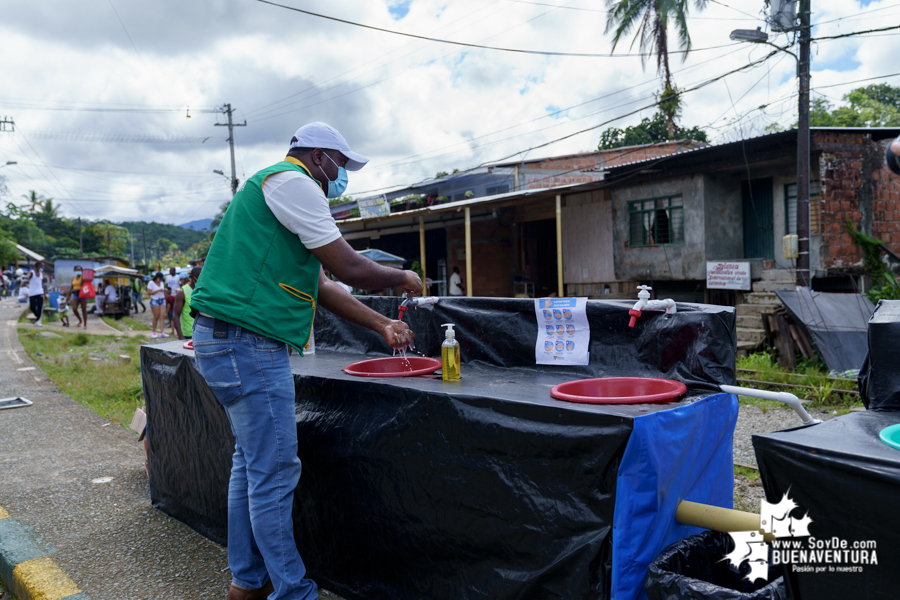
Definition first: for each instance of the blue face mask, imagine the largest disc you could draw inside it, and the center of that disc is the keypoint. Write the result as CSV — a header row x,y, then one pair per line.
x,y
336,188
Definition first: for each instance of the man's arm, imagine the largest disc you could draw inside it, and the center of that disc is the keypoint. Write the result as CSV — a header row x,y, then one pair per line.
x,y
360,272
179,306
343,304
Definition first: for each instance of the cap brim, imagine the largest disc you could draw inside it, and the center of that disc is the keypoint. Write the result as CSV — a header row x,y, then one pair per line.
x,y
355,161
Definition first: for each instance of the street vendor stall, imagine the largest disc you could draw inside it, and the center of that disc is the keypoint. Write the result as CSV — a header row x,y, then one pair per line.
x,y
487,487
120,277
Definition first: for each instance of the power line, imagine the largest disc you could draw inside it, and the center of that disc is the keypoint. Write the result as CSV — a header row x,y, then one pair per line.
x,y
455,43
843,35
84,136
314,86
30,105
594,127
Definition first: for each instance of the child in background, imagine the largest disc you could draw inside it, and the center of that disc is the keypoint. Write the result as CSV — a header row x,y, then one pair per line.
x,y
63,310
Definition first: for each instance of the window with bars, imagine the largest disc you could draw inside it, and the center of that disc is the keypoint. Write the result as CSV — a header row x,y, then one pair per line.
x,y
656,221
815,208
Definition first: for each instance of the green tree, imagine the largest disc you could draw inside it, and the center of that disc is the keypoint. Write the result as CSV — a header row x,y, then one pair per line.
x,y
217,220
8,251
650,21
649,131
870,106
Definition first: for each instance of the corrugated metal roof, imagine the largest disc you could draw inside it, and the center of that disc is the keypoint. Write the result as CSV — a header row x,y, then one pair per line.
x,y
29,253
381,255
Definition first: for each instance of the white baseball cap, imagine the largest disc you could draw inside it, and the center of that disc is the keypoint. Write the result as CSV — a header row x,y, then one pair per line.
x,y
322,135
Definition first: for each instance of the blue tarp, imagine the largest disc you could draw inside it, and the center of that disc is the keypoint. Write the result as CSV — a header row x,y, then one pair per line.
x,y
680,454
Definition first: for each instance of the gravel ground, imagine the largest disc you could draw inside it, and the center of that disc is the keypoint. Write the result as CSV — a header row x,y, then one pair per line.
x,y
752,420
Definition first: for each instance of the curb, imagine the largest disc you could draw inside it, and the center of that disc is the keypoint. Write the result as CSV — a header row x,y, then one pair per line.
x,y
26,569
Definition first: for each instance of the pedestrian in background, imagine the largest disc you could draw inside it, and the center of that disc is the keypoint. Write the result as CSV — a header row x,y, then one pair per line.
x,y
76,300
157,293
184,321
62,308
136,300
36,292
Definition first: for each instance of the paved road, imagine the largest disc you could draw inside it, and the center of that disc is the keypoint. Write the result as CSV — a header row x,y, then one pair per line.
x,y
77,482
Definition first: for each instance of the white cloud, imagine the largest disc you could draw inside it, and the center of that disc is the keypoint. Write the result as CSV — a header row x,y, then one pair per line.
x,y
415,107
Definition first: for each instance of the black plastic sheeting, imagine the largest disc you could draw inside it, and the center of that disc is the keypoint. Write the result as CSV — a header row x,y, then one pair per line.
x,y
879,378
849,482
694,569
696,346
486,488
837,324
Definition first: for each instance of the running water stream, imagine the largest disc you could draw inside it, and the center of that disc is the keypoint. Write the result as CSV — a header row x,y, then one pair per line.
x,y
405,360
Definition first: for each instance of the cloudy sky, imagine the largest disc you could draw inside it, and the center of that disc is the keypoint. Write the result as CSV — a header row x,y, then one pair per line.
x,y
100,90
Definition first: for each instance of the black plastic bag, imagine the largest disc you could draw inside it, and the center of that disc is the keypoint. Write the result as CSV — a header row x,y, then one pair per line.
x,y
693,569
879,376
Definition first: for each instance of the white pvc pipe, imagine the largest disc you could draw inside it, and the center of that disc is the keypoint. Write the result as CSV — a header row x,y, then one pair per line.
x,y
789,399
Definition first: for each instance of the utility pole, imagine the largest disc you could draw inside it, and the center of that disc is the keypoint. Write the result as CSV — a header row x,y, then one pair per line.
x,y
108,252
231,125
144,241
803,274
80,240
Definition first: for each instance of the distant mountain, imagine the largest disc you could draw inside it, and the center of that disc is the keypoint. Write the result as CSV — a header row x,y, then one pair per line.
x,y
198,225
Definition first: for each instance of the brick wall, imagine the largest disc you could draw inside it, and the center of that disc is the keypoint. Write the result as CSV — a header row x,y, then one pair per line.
x,y
491,258
855,187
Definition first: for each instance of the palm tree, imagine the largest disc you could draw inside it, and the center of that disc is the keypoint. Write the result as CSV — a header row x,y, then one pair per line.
x,y
651,19
35,200
49,210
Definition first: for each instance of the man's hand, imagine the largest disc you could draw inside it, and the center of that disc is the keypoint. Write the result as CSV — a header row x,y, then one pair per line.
x,y
412,284
397,334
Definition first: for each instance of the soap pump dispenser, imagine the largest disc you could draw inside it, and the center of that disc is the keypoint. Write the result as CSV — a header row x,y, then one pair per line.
x,y
450,355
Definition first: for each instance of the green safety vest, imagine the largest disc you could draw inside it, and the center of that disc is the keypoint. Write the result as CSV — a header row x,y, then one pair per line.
x,y
187,321
257,273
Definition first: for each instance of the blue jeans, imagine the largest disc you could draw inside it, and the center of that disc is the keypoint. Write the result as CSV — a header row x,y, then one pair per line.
x,y
251,377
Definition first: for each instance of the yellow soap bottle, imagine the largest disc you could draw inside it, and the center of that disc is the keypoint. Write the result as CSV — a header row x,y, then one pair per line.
x,y
450,355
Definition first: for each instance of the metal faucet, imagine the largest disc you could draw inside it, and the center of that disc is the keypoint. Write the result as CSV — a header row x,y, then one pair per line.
x,y
645,303
414,301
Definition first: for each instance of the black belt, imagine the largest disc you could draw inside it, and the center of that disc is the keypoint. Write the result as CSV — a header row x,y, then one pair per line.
x,y
220,327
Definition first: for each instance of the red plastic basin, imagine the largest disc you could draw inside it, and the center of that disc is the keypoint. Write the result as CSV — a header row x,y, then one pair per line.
x,y
394,366
619,390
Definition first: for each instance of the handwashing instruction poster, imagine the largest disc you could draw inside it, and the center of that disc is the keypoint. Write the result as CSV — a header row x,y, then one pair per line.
x,y
563,332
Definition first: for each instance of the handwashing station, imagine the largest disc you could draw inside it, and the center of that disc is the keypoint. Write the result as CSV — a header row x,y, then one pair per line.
x,y
482,488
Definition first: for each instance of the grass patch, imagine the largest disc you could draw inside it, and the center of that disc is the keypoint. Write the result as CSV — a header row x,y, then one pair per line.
x,y
825,392
86,367
748,474
126,324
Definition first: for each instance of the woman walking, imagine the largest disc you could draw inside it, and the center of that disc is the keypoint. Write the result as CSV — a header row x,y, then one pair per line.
x,y
157,291
75,299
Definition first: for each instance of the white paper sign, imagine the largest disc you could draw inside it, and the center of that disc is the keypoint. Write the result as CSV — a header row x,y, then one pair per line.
x,y
728,275
563,333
